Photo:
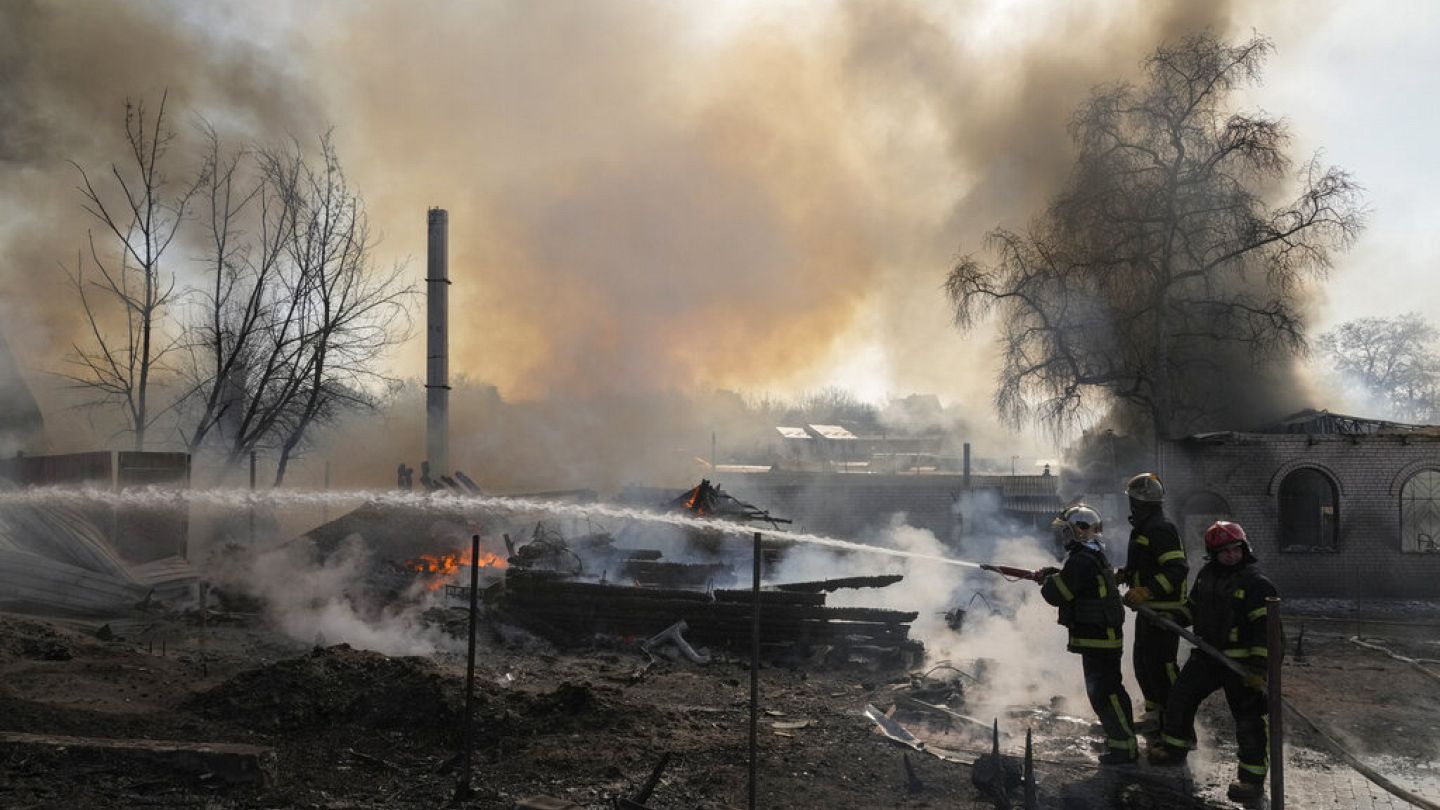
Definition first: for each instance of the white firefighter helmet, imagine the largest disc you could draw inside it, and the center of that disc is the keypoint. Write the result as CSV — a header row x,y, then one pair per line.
x,y
1074,518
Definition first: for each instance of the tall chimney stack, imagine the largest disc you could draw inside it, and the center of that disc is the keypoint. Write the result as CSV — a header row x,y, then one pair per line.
x,y
965,480
437,343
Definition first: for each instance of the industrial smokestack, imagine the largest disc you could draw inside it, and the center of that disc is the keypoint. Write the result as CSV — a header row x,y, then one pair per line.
x,y
437,343
965,481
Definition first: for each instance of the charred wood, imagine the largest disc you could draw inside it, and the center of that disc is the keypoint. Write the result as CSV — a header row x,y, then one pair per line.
x,y
829,585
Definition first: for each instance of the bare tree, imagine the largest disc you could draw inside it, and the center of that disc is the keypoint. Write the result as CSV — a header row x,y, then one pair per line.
x,y
297,316
1161,267
1394,359
140,221
232,306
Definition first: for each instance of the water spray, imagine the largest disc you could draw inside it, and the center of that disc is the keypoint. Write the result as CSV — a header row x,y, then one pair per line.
x,y
162,498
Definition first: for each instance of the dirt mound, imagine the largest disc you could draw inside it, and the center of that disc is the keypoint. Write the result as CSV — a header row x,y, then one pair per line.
x,y
570,707
20,638
335,686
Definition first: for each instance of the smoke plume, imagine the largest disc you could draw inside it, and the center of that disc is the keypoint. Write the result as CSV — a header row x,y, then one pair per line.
x,y
643,197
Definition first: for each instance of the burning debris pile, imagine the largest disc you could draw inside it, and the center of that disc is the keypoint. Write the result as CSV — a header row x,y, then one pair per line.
x,y
634,582
709,500
570,590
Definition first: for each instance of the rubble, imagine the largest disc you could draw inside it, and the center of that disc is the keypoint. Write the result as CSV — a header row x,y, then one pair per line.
x,y
335,685
791,623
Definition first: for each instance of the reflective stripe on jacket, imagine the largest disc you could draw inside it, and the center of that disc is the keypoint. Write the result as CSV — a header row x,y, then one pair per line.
x,y
1090,608
1155,559
1230,611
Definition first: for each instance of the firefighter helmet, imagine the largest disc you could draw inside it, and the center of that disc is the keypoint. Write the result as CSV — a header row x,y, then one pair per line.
x,y
1146,488
1074,518
1223,534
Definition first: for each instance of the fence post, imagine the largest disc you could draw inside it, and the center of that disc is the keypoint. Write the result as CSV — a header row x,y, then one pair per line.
x,y
1275,641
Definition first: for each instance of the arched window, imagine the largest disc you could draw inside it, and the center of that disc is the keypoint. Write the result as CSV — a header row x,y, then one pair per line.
x,y
1309,512
1420,512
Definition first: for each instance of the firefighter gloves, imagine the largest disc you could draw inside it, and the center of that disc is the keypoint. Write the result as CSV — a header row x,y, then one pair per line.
x,y
1138,595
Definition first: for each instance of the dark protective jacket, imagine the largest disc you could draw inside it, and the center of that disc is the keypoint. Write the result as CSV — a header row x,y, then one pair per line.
x,y
1155,559
1090,607
1228,605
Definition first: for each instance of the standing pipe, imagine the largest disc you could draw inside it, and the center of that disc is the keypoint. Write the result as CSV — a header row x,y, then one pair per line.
x,y
462,791
755,672
1274,639
437,341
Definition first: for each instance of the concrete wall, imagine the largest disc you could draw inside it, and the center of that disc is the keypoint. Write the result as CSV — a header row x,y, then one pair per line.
x,y
1368,472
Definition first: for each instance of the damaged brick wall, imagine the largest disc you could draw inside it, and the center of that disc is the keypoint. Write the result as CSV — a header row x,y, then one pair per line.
x,y
1368,471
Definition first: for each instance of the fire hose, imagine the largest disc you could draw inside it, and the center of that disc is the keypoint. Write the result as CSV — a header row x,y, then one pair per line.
x,y
1353,761
1249,677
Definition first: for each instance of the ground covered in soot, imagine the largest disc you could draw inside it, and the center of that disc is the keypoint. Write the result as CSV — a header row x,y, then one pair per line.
x,y
356,729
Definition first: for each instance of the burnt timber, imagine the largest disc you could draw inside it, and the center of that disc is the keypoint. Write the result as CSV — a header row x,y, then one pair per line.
x,y
791,623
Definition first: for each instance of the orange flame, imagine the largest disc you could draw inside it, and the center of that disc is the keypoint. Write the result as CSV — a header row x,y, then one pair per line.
x,y
442,567
693,502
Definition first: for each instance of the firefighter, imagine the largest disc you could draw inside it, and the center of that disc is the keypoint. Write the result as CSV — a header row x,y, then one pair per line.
x,y
1155,574
1085,592
1228,605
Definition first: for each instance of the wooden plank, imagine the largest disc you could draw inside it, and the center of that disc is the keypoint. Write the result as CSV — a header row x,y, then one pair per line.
x,y
827,585
235,763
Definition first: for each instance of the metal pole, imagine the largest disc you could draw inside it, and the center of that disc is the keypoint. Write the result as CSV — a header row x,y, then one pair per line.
x,y
755,672
462,790
1032,797
252,497
204,598
1274,640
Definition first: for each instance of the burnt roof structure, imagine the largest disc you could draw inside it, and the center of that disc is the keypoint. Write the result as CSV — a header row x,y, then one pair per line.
x,y
1322,422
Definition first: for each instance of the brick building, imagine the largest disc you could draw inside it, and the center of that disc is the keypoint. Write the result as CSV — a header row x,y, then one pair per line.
x,y
1334,506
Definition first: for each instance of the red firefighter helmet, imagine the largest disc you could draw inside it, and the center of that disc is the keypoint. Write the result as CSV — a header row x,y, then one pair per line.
x,y
1223,534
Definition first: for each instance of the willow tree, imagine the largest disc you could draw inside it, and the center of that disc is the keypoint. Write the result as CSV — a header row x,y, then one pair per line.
x,y
1172,254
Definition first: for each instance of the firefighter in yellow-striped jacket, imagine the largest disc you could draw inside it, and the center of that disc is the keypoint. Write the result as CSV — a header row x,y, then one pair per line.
x,y
1155,573
1090,609
1228,603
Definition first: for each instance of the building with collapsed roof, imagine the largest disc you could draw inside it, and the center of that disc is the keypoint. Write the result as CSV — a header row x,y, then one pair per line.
x,y
1334,505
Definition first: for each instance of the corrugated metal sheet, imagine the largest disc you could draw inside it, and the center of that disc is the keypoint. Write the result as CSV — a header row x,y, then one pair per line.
x,y
165,572
56,559
835,432
30,581
63,534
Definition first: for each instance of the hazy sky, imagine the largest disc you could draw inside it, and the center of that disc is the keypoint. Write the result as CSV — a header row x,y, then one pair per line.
x,y
1363,86
764,197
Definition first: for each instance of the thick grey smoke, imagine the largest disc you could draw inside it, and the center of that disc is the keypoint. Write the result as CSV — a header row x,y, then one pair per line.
x,y
642,198
330,599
